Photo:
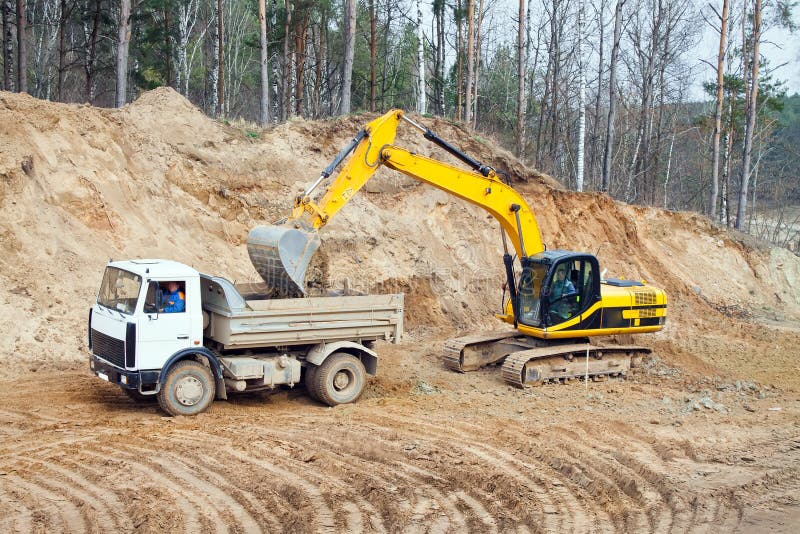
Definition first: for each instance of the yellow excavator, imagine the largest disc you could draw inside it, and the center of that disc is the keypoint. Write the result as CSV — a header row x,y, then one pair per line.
x,y
556,299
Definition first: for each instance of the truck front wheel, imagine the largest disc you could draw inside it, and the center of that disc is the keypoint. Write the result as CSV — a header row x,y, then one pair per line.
x,y
187,390
339,380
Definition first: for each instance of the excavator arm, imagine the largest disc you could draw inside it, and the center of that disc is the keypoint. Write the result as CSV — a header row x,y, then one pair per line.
x,y
281,253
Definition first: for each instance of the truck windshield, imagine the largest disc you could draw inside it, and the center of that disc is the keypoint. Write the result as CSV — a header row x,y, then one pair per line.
x,y
530,287
119,290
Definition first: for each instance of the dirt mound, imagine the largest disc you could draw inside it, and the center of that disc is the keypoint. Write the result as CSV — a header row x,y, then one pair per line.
x,y
158,178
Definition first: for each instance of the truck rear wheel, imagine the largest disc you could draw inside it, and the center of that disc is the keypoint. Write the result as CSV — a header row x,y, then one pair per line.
x,y
188,389
339,380
311,372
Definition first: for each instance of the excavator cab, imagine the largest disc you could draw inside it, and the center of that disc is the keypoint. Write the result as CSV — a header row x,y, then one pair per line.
x,y
557,287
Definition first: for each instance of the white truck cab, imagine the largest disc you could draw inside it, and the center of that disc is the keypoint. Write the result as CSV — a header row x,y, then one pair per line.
x,y
215,341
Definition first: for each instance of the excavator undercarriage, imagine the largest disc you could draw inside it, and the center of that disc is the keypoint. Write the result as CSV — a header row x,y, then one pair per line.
x,y
528,361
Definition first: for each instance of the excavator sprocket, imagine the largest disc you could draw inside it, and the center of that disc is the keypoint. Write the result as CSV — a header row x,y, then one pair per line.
x,y
567,363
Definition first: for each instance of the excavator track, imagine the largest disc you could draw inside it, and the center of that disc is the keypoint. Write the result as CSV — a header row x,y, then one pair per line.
x,y
567,363
464,354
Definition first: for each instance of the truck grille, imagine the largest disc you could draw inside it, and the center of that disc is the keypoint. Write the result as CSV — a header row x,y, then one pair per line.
x,y
110,349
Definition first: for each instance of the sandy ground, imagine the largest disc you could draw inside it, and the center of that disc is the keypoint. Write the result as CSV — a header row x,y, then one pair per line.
x,y
705,437
425,450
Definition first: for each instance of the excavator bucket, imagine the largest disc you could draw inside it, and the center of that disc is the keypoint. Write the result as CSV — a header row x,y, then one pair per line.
x,y
281,255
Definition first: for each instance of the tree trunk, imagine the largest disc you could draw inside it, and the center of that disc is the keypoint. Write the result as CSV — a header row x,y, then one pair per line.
x,y
373,36
22,63
8,47
263,115
439,18
723,33
92,53
595,137
221,60
470,61
287,63
187,17
65,13
476,72
555,60
460,54
349,54
300,34
123,42
581,103
521,60
612,97
752,112
167,44
421,96
213,59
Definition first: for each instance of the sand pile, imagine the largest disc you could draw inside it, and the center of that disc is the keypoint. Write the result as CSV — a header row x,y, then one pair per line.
x,y
157,178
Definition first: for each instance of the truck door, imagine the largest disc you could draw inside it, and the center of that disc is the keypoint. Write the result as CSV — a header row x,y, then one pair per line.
x,y
166,325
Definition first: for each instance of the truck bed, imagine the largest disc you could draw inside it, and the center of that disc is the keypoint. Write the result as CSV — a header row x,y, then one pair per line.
x,y
237,323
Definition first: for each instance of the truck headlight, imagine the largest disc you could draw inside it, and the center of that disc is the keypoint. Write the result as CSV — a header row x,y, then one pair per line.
x,y
123,379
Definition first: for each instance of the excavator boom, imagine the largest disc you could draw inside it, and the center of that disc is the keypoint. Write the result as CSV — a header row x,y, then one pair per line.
x,y
282,252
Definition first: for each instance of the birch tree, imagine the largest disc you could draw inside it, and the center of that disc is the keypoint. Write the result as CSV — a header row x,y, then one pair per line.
x,y
373,50
715,149
751,113
349,54
187,18
263,114
123,42
470,61
612,96
521,61
421,101
213,63
581,103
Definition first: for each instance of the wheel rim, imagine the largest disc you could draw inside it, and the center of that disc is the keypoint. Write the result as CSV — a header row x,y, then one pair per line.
x,y
342,380
189,390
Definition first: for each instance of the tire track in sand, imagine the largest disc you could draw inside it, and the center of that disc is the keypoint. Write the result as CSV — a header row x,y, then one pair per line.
x,y
188,505
560,511
217,498
58,509
417,477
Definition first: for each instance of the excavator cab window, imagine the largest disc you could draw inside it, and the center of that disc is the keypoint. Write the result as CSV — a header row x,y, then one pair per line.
x,y
571,290
530,288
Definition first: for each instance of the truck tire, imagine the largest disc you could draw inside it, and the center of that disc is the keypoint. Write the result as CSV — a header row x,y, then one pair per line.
x,y
339,380
136,396
188,389
311,372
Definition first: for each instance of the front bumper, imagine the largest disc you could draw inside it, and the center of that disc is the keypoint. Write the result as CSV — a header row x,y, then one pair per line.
x,y
143,381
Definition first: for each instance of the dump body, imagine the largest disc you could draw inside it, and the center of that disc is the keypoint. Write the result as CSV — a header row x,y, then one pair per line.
x,y
238,323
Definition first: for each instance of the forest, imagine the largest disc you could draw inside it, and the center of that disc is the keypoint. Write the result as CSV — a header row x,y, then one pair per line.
x,y
618,96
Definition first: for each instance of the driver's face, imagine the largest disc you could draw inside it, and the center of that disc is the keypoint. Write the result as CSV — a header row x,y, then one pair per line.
x,y
560,274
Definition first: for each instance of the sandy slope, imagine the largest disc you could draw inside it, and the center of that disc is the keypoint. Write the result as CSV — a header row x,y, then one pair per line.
x,y
425,449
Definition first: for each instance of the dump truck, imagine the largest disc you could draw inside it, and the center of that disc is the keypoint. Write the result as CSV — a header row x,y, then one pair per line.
x,y
227,341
